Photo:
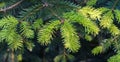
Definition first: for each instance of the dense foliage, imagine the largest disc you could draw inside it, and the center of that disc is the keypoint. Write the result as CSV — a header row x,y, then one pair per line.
x,y
59,30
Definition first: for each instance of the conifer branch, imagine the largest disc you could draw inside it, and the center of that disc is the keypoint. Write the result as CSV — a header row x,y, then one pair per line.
x,y
29,14
53,12
35,10
11,7
114,5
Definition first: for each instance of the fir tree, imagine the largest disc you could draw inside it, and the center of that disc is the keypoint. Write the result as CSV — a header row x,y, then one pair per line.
x,y
28,26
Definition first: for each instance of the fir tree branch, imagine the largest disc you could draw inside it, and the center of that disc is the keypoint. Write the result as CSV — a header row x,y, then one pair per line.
x,y
114,5
12,6
53,12
35,10
29,14
64,52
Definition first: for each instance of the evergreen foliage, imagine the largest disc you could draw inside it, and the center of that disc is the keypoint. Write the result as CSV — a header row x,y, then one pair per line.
x,y
45,35
57,29
117,15
114,58
92,13
8,33
97,50
71,40
26,30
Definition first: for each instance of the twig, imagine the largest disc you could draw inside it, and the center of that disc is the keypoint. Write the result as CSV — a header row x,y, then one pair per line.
x,y
114,5
11,7
12,56
53,12
35,10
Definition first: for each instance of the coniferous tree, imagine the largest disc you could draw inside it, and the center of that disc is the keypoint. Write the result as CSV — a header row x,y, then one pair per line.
x,y
53,30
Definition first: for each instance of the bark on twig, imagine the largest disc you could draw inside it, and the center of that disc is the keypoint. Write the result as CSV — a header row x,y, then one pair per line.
x,y
114,5
11,7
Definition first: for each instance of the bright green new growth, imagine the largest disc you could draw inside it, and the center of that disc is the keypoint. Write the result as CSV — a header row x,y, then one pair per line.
x,y
7,22
30,45
37,24
46,34
70,37
97,50
15,33
90,26
91,12
8,33
26,30
107,20
114,30
88,37
115,58
117,15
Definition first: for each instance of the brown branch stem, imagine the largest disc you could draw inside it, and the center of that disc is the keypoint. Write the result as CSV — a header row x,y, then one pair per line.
x,y
114,5
29,14
12,56
12,6
53,12
33,11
